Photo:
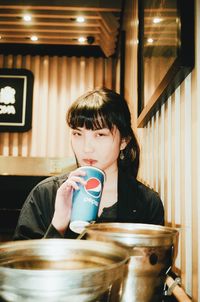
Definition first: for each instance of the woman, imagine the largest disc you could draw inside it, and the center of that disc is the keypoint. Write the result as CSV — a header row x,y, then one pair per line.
x,y
101,136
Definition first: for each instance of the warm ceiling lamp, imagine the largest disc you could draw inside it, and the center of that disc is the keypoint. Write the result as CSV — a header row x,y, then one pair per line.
x,y
150,40
80,19
157,20
81,39
27,18
34,38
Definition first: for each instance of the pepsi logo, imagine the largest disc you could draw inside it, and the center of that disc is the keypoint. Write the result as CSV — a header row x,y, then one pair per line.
x,y
93,187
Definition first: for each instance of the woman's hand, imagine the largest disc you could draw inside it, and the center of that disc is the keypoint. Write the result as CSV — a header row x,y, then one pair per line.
x,y
63,203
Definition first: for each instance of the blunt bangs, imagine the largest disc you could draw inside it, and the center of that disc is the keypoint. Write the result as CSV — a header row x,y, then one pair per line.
x,y
97,109
91,120
91,112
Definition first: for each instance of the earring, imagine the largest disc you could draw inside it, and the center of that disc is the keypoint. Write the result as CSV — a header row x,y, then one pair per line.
x,y
121,155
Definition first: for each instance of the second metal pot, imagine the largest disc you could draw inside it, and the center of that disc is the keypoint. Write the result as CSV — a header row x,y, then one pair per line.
x,y
152,251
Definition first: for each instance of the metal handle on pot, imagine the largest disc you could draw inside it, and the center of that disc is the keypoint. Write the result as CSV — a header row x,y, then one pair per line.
x,y
173,283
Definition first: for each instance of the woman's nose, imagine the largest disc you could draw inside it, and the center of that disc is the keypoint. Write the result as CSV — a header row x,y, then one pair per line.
x,y
88,145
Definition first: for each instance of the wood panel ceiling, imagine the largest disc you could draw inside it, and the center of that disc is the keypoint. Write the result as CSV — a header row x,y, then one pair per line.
x,y
54,23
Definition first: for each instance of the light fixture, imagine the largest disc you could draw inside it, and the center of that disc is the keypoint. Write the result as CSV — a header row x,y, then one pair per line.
x,y
34,38
157,20
27,18
81,39
150,40
80,19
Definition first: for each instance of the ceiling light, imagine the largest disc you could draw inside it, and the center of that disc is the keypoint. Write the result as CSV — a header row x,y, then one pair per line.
x,y
27,18
157,20
80,19
81,39
150,40
34,38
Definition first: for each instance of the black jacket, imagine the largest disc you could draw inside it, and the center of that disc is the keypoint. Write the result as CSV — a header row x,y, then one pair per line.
x,y
137,203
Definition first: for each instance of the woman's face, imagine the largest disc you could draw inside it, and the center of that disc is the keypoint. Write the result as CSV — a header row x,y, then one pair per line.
x,y
99,148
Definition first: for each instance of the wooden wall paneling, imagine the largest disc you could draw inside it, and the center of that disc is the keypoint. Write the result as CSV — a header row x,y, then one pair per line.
x,y
89,73
166,157
37,99
42,107
188,183
171,128
52,107
83,75
99,72
151,160
172,154
177,150
195,172
169,165
16,145
183,227
157,152
69,100
148,135
25,139
108,74
62,132
74,79
176,185
154,152
162,153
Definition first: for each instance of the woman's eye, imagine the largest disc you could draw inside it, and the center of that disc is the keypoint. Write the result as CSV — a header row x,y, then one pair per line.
x,y
76,133
100,134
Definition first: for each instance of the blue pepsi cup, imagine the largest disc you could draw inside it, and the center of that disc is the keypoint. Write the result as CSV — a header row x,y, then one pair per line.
x,y
86,200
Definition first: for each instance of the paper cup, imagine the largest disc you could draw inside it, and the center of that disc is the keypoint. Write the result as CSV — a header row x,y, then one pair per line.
x,y
86,200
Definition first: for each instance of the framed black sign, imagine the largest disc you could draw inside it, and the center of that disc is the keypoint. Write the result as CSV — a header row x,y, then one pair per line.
x,y
16,93
165,51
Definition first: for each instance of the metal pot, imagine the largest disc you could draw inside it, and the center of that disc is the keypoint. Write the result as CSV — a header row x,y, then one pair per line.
x,y
61,270
152,250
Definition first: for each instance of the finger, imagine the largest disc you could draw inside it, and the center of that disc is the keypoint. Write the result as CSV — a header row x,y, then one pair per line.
x,y
77,172
77,179
70,184
74,182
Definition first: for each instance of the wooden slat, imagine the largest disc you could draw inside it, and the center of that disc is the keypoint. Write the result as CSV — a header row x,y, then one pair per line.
x,y
52,42
109,21
60,8
50,14
44,29
53,23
